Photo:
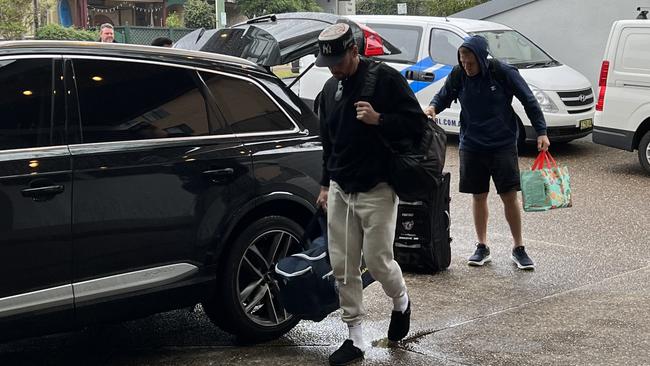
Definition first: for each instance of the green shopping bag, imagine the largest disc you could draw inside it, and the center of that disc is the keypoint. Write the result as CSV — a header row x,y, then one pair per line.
x,y
546,185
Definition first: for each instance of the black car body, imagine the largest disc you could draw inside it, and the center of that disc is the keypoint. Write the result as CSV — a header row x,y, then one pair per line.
x,y
135,180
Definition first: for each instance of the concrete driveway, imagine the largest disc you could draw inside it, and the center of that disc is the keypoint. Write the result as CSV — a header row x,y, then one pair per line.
x,y
586,303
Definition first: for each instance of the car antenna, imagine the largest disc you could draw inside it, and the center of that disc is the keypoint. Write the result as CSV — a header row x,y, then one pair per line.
x,y
643,14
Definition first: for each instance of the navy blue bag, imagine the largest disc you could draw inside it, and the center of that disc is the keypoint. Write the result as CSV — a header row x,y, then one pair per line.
x,y
307,284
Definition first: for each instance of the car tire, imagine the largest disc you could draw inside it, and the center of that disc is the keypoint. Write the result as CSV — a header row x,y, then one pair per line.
x,y
644,151
257,315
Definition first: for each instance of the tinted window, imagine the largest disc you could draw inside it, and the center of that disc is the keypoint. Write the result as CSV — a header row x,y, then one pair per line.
x,y
245,106
132,101
407,39
26,100
443,46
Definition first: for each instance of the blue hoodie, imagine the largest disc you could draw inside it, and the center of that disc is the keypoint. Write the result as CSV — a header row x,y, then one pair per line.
x,y
487,121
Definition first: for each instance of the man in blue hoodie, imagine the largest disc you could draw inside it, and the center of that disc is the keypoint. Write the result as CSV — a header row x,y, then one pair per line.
x,y
488,138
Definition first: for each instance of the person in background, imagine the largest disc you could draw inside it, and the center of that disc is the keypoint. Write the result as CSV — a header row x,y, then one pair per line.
x,y
162,42
107,33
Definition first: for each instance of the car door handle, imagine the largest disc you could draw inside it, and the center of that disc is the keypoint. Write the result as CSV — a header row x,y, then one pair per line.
x,y
219,172
40,193
417,75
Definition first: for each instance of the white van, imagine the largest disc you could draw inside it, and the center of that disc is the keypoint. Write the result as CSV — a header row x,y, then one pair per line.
x,y
429,51
622,117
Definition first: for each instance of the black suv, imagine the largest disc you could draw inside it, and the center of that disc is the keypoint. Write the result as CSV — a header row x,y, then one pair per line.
x,y
136,180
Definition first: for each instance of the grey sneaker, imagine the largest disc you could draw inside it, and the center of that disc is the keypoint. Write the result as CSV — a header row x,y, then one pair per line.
x,y
481,255
522,259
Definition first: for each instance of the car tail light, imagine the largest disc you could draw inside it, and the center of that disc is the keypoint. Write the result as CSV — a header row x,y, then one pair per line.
x,y
374,43
602,83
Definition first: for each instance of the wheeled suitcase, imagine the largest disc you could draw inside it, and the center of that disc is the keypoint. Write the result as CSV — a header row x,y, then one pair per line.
x,y
422,241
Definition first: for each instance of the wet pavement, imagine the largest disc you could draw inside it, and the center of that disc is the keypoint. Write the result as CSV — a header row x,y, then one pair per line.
x,y
586,303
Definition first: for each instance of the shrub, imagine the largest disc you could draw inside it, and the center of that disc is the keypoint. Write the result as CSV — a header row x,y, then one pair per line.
x,y
174,21
58,32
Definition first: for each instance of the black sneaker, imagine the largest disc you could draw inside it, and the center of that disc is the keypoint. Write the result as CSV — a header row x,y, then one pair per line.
x,y
400,323
522,259
346,354
481,255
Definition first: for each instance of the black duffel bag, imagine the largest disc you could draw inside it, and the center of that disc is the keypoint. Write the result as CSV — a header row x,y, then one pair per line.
x,y
415,167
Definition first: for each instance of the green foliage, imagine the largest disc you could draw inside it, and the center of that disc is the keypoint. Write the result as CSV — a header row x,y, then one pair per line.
x,y
174,21
252,8
58,32
15,18
416,7
199,14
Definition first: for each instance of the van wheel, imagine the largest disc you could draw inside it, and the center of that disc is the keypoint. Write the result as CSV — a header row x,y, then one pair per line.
x,y
644,151
247,302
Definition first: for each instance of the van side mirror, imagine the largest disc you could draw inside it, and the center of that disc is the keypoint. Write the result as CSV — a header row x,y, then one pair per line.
x,y
417,75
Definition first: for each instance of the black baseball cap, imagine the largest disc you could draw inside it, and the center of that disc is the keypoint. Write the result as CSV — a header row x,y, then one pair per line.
x,y
333,43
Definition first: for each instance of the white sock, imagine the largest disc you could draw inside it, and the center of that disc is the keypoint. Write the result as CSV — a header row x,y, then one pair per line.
x,y
356,335
401,303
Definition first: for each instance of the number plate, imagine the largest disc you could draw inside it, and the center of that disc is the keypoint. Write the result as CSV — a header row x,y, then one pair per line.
x,y
586,124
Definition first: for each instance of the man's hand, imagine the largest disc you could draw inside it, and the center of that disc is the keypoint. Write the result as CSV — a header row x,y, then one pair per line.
x,y
366,114
430,111
543,143
321,201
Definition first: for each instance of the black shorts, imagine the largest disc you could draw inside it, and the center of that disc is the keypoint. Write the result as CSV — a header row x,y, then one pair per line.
x,y
477,168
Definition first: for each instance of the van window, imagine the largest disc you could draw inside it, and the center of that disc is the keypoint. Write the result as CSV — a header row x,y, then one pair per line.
x,y
511,47
443,46
245,106
634,53
26,103
406,38
122,100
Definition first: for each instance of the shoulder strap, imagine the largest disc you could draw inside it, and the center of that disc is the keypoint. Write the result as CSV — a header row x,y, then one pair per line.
x,y
455,75
498,74
370,81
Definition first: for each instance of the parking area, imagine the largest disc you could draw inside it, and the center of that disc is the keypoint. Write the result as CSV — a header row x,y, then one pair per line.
x,y
585,304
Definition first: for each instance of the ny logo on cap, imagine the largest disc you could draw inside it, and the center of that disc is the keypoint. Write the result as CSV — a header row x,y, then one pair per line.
x,y
327,49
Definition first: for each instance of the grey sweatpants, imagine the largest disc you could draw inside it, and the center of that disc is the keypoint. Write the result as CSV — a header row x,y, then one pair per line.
x,y
362,222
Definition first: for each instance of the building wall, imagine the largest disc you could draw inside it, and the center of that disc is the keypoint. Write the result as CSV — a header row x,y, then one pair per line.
x,y
342,7
573,32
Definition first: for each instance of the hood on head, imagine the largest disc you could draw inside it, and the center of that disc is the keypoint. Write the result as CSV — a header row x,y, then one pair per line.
x,y
479,46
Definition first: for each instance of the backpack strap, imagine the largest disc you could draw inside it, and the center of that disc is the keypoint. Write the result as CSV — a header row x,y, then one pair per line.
x,y
498,74
370,81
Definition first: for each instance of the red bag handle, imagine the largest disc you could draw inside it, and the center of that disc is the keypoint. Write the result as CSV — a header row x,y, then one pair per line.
x,y
538,164
543,158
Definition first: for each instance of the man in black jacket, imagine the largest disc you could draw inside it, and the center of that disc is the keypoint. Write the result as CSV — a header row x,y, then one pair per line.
x,y
361,206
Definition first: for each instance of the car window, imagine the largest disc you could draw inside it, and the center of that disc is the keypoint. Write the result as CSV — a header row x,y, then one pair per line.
x,y
406,38
245,106
26,102
122,100
512,47
443,46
